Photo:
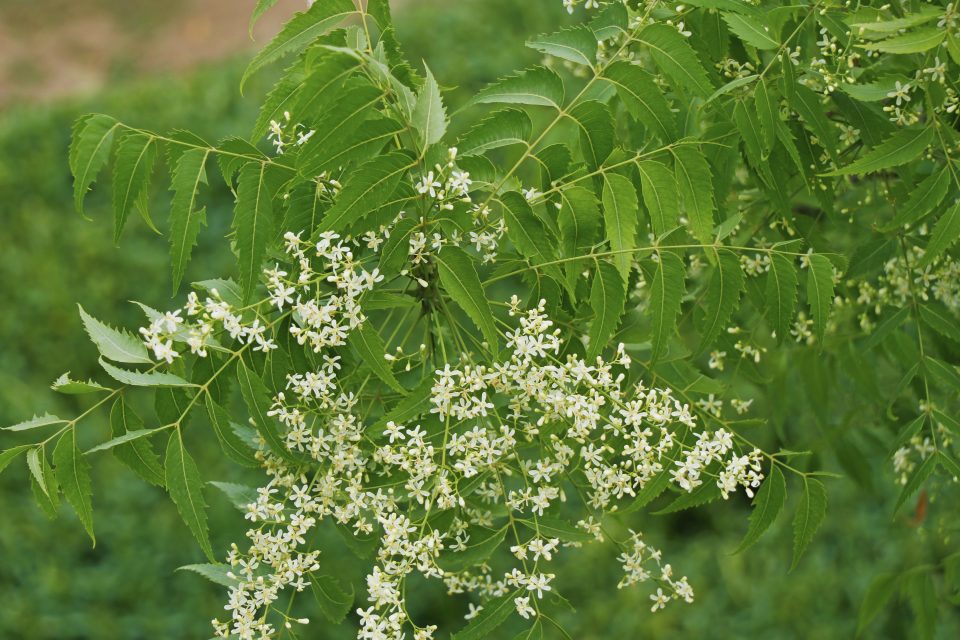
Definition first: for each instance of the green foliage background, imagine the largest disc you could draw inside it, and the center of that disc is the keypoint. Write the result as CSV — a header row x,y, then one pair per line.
x,y
52,585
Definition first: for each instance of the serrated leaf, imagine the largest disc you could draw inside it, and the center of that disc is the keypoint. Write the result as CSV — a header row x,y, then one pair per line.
x,y
819,291
396,250
902,147
46,481
642,98
659,188
722,297
9,455
216,573
578,222
143,379
666,293
117,345
36,422
547,527
137,455
676,58
916,16
913,42
944,234
185,217
500,129
607,299
186,490
751,31
301,30
368,344
129,436
923,199
240,495
132,168
89,151
807,104
766,507
596,131
943,374
73,474
704,494
916,480
694,181
350,146
477,552
809,516
459,279
258,401
429,115
231,444
334,602
620,211
369,187
576,44
781,294
938,318
536,86
253,223
494,613
768,113
65,385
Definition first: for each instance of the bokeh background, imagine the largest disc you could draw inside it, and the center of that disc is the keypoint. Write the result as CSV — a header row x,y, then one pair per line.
x,y
164,65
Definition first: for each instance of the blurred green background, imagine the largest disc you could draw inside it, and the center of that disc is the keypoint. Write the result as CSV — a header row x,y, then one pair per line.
x,y
54,586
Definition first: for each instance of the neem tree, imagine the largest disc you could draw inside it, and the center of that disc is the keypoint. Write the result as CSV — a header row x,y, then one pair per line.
x,y
472,353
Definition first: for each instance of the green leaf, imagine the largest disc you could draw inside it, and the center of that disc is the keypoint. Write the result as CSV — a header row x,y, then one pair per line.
x,y
576,44
185,217
766,507
368,344
916,16
751,31
253,223
334,602
143,379
900,148
666,293
258,401
370,186
943,374
781,296
477,552
916,480
65,385
809,516
768,113
240,495
129,436
808,106
722,297
117,345
938,318
704,494
500,129
676,58
922,200
547,527
608,296
45,478
696,191
879,593
642,98
231,444
259,10
819,291
89,151
301,30
578,221
528,234
9,455
460,281
36,422
132,168
659,188
138,455
429,115
495,612
913,42
73,474
620,209
944,234
596,131
216,573
536,86
186,490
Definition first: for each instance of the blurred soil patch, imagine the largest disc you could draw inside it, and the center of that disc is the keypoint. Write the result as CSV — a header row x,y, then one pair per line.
x,y
54,48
